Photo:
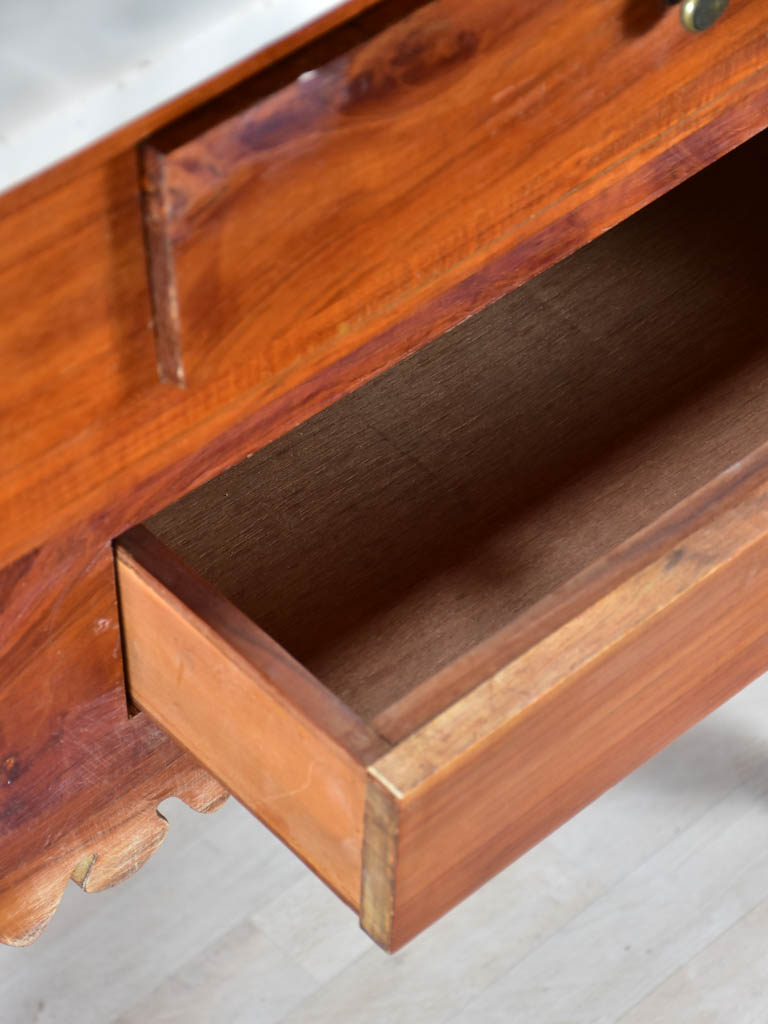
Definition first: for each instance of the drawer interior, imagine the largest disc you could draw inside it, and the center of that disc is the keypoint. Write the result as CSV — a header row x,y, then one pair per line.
x,y
405,524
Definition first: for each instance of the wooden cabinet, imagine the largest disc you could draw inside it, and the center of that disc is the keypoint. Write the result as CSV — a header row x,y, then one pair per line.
x,y
413,604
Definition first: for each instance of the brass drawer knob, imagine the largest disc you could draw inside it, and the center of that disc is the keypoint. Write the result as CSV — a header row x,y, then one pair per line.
x,y
698,15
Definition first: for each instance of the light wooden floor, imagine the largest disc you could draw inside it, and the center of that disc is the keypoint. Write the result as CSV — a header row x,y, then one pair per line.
x,y
650,907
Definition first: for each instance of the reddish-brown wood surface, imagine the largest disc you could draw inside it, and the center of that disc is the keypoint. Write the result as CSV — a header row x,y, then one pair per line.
x,y
340,202
547,732
90,435
80,781
291,752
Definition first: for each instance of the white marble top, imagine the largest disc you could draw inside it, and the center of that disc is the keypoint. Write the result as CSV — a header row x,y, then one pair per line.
x,y
72,71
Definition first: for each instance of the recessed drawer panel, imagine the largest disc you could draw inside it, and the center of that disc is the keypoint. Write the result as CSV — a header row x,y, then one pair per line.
x,y
325,201
417,633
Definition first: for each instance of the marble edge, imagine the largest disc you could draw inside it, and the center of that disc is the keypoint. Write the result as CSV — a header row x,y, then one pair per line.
x,y
62,129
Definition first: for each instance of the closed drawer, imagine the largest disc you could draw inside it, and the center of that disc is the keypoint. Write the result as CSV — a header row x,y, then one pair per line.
x,y
326,200
418,632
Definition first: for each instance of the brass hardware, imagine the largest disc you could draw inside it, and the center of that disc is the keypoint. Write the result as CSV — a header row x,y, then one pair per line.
x,y
697,15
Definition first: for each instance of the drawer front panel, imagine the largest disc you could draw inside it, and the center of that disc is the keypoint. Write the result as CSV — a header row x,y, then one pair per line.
x,y
548,731
325,202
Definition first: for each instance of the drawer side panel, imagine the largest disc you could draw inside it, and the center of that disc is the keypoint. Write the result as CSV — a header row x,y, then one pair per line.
x,y
253,717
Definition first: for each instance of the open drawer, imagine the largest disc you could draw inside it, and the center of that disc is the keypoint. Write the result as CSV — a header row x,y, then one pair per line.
x,y
421,630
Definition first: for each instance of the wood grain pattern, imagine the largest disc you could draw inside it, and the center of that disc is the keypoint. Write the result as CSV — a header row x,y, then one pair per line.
x,y
285,747
390,171
547,732
80,780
